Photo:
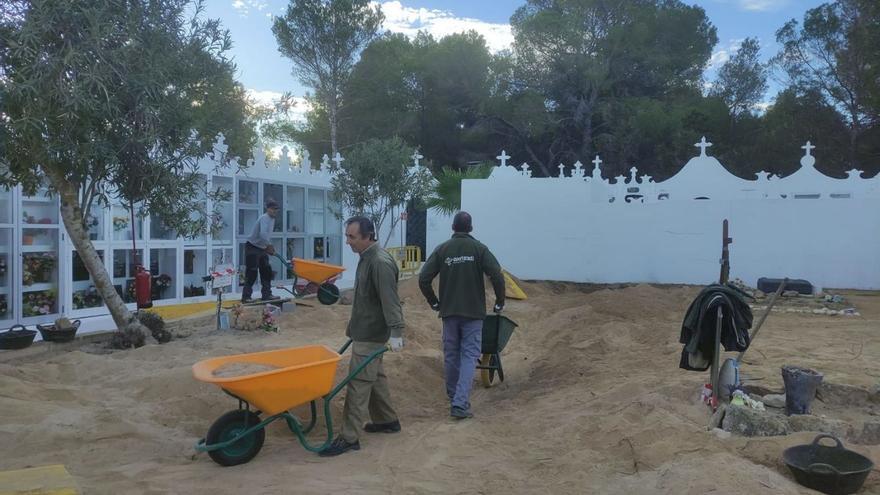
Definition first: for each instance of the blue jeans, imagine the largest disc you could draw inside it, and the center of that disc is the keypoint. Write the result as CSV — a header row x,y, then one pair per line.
x,y
462,341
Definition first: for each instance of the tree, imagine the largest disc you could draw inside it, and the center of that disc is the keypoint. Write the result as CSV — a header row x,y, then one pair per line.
x,y
115,99
742,80
374,180
582,55
833,53
323,39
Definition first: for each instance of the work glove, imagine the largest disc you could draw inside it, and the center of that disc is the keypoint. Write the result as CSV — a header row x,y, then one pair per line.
x,y
395,344
498,308
270,250
436,306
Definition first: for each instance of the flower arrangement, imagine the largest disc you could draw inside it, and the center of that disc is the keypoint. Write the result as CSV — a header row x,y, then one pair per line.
x,y
119,223
38,303
86,298
217,223
130,293
268,323
193,291
163,281
36,268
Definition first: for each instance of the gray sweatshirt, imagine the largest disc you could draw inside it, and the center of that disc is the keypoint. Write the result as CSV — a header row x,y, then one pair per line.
x,y
260,235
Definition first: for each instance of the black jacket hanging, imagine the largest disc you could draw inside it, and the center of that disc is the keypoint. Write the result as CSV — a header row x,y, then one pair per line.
x,y
698,327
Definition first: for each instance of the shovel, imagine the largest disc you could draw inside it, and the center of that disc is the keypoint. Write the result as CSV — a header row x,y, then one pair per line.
x,y
729,377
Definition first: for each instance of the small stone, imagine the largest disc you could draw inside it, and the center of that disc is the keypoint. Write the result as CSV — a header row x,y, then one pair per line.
x,y
807,422
774,400
346,298
790,293
752,423
844,395
721,434
870,434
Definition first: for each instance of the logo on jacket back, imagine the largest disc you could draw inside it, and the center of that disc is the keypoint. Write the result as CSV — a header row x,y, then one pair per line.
x,y
459,260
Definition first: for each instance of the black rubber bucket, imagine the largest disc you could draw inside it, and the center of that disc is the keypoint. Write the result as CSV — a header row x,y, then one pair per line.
x,y
800,388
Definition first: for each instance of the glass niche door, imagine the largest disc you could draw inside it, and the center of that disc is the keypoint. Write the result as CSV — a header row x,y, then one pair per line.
x,y
7,301
40,259
85,299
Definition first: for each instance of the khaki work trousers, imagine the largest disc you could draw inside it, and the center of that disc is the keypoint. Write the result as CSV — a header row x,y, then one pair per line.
x,y
367,395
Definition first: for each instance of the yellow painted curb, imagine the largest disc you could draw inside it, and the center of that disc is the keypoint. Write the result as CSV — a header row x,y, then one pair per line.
x,y
44,480
177,311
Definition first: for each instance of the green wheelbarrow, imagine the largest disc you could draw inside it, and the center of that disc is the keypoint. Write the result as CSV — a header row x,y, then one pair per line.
x,y
497,330
295,377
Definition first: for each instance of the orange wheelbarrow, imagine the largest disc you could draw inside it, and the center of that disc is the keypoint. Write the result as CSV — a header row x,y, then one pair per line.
x,y
318,275
302,375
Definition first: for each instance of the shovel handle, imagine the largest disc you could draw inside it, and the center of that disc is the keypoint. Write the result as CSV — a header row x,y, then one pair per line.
x,y
764,316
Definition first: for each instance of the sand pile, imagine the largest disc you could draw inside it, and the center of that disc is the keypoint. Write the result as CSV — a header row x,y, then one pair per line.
x,y
593,402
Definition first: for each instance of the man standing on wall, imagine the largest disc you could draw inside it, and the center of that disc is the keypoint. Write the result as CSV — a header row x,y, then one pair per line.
x,y
461,263
376,321
257,250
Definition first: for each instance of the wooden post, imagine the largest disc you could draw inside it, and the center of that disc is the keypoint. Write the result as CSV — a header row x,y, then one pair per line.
x,y
726,240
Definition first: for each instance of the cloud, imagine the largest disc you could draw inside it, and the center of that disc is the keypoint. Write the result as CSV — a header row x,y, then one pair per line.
x,y
440,23
761,107
243,7
762,5
268,99
719,57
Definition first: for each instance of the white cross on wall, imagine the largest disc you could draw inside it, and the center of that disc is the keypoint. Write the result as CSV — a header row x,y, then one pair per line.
x,y
703,144
503,157
807,148
338,159
561,170
416,157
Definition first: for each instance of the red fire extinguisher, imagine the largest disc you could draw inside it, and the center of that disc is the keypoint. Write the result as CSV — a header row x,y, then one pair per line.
x,y
143,293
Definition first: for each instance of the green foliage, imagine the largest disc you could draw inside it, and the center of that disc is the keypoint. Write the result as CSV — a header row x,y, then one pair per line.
x,y
323,39
742,80
446,196
374,179
107,96
831,54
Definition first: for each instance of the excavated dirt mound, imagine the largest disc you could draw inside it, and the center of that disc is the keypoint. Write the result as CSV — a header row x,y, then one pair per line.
x,y
593,402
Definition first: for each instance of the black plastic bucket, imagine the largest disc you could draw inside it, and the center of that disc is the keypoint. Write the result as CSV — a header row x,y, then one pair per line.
x,y
800,388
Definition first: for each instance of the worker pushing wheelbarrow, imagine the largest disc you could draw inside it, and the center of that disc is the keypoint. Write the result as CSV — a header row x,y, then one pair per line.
x,y
271,383
320,277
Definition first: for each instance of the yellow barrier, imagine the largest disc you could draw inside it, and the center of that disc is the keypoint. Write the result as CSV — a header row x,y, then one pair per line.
x,y
409,258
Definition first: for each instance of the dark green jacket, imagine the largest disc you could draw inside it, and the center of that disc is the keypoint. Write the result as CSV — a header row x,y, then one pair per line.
x,y
375,311
461,263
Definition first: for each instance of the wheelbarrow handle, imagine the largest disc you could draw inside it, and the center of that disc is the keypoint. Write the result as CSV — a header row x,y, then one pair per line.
x,y
344,347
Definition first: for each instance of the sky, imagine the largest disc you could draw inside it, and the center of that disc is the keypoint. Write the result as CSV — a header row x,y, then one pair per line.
x,y
267,74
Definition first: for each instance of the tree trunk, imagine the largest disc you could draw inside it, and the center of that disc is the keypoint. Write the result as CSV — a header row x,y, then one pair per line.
x,y
332,113
72,215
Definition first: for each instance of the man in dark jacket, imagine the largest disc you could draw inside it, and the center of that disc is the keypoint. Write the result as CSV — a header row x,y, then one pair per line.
x,y
376,321
461,263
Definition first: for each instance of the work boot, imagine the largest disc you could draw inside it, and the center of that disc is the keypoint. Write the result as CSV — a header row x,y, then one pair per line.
x,y
392,427
246,300
460,413
339,446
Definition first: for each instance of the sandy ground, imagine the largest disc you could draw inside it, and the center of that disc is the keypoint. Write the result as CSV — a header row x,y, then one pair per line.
x,y
593,402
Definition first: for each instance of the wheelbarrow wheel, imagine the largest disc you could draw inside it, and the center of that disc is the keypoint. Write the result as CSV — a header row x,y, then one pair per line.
x,y
228,427
328,294
487,376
